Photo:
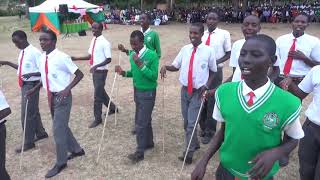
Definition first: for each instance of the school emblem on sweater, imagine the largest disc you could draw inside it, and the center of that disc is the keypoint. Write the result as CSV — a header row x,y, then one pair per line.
x,y
148,38
270,120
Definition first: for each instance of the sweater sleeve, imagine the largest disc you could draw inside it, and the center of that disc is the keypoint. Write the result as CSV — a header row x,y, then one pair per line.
x,y
128,73
157,44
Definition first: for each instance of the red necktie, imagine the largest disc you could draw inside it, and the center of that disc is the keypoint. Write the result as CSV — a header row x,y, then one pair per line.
x,y
208,40
190,71
250,101
92,51
47,81
288,65
20,70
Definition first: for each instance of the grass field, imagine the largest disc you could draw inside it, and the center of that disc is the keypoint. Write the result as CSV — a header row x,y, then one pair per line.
x,y
118,141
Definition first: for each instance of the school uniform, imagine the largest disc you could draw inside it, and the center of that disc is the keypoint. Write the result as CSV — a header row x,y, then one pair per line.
x,y
3,172
295,68
145,85
27,63
56,71
234,60
265,120
194,64
152,41
309,147
100,50
219,40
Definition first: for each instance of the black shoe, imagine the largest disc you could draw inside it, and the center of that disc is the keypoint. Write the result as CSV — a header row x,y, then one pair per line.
x,y
206,139
113,111
188,159
201,133
136,157
149,147
133,131
25,148
95,124
38,138
284,161
55,170
78,154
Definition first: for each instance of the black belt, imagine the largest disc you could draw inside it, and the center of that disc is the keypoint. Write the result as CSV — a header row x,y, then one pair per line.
x,y
193,89
101,71
30,82
312,123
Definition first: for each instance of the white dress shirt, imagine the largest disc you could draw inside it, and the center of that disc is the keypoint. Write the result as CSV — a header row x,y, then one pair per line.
x,y
311,83
307,44
204,60
220,41
234,59
293,129
102,51
60,70
3,104
29,62
146,32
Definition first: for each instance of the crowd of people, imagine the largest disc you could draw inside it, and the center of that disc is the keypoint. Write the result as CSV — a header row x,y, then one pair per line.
x,y
132,16
267,13
257,133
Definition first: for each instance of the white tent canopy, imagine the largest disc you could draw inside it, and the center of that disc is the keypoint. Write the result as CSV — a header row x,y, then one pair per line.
x,y
53,6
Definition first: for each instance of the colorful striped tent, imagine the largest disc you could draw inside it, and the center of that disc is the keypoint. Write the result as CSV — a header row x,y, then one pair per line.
x,y
46,14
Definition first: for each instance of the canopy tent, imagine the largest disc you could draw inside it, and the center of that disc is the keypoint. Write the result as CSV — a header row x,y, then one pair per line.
x,y
46,14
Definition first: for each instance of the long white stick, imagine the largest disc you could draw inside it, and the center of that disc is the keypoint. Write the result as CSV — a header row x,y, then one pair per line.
x,y
163,115
194,128
117,95
24,132
106,118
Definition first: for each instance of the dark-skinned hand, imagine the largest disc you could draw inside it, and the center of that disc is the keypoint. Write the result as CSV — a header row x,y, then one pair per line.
x,y
298,55
262,164
137,60
284,84
93,69
163,72
121,47
63,94
199,171
118,69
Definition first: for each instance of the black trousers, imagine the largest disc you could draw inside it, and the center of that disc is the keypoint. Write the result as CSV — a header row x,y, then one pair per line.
x,y
34,127
309,152
144,101
100,94
206,122
3,172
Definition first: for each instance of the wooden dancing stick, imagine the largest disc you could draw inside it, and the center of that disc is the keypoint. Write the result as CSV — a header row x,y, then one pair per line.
x,y
24,132
194,128
106,118
117,95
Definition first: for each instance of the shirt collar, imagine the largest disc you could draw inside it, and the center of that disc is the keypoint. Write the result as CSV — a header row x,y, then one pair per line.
x,y
52,53
142,51
214,31
258,92
27,48
146,32
198,47
292,36
99,37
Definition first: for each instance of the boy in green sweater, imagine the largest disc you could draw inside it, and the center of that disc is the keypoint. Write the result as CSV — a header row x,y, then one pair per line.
x,y
151,37
144,72
253,114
